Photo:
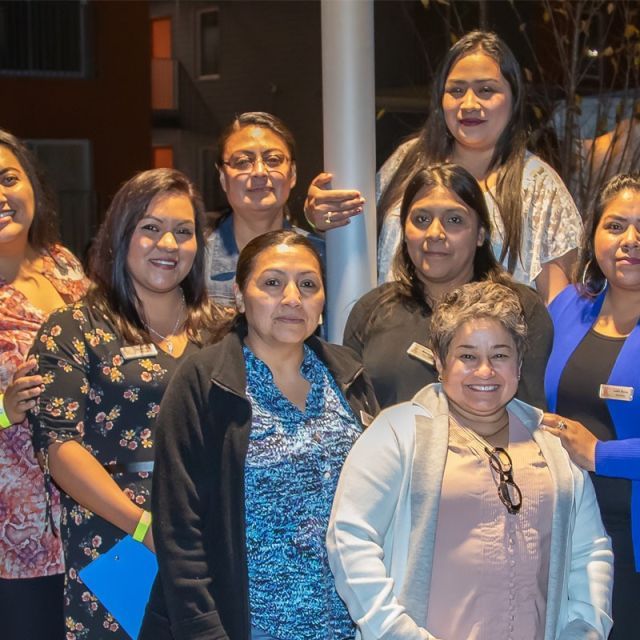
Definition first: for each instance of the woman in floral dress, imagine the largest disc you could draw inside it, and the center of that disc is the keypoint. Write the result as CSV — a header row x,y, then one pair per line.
x,y
106,364
37,275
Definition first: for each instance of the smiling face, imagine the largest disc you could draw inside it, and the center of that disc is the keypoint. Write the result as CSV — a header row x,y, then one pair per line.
x,y
17,202
617,241
480,373
442,234
163,245
477,102
283,297
263,187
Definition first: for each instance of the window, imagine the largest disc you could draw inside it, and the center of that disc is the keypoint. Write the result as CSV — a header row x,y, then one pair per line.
x,y
162,157
69,167
208,44
43,38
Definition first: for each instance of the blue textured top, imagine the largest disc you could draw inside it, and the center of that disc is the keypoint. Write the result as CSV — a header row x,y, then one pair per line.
x,y
291,472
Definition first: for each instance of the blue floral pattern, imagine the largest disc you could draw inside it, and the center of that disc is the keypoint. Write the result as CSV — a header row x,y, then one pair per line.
x,y
292,469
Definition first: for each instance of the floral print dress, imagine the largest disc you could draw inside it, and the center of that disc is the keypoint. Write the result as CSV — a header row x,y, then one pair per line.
x,y
96,395
28,547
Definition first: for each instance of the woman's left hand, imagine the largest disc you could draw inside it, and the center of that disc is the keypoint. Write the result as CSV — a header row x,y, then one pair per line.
x,y
579,442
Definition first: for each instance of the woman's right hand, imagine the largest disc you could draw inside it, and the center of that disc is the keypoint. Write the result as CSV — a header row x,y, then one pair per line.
x,y
22,394
326,208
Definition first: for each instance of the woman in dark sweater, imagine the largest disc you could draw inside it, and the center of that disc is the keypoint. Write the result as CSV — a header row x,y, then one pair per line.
x,y
253,434
445,243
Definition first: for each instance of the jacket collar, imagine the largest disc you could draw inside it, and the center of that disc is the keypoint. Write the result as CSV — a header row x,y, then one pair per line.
x,y
432,396
227,367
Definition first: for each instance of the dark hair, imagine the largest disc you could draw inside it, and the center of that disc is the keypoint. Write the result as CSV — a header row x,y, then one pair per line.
x,y
459,181
257,119
43,232
593,280
434,142
251,251
113,291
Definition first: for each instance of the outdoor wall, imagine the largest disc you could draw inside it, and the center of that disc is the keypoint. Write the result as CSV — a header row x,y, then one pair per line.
x,y
269,61
111,108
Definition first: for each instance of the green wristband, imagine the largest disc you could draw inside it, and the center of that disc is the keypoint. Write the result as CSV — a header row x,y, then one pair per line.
x,y
142,527
4,418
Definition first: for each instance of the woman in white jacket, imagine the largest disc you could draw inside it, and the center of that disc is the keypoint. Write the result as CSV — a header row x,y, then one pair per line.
x,y
456,516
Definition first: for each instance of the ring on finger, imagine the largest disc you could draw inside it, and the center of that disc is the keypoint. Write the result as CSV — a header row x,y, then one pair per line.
x,y
562,425
328,216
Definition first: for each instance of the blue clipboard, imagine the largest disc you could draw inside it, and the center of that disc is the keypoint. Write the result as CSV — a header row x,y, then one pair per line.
x,y
121,579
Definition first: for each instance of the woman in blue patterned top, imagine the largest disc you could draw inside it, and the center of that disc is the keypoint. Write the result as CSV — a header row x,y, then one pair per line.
x,y
253,435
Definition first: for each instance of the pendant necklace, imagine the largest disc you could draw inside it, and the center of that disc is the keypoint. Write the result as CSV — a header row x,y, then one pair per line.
x,y
168,342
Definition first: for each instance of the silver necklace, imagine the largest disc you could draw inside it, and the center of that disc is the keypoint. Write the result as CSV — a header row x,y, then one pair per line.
x,y
166,339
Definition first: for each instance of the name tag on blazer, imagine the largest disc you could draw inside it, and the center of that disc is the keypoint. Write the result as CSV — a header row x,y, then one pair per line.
x,y
615,392
422,353
138,351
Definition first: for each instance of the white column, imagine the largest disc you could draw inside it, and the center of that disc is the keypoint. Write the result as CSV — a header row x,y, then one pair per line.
x,y
348,96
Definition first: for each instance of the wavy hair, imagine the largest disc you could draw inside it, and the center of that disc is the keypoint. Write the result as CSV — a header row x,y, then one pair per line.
x,y
472,301
114,293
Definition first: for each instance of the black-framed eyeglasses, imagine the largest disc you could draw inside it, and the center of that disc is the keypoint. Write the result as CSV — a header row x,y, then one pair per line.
x,y
508,491
272,161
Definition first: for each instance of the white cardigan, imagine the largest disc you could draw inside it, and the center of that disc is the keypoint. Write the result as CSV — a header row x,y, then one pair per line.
x,y
383,524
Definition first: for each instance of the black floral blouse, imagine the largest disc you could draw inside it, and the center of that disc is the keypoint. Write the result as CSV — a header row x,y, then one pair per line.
x,y
96,395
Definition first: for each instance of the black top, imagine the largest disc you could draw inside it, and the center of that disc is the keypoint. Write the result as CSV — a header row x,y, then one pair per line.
x,y
95,394
590,366
382,330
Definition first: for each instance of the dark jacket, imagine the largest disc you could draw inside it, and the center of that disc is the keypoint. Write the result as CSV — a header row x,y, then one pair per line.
x,y
202,588
381,328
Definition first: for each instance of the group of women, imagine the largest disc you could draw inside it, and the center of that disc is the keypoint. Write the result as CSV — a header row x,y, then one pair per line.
x,y
460,510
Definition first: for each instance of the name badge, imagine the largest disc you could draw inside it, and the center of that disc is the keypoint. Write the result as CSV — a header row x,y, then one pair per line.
x,y
615,392
365,418
138,351
422,353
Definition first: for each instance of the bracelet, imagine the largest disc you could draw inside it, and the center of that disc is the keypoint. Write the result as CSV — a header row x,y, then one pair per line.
x,y
309,222
4,418
142,527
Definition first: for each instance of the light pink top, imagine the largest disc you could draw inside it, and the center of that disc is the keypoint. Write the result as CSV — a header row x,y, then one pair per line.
x,y
490,568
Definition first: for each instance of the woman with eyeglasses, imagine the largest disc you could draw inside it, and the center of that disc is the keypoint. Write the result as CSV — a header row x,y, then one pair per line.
x,y
455,515
257,169
593,380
